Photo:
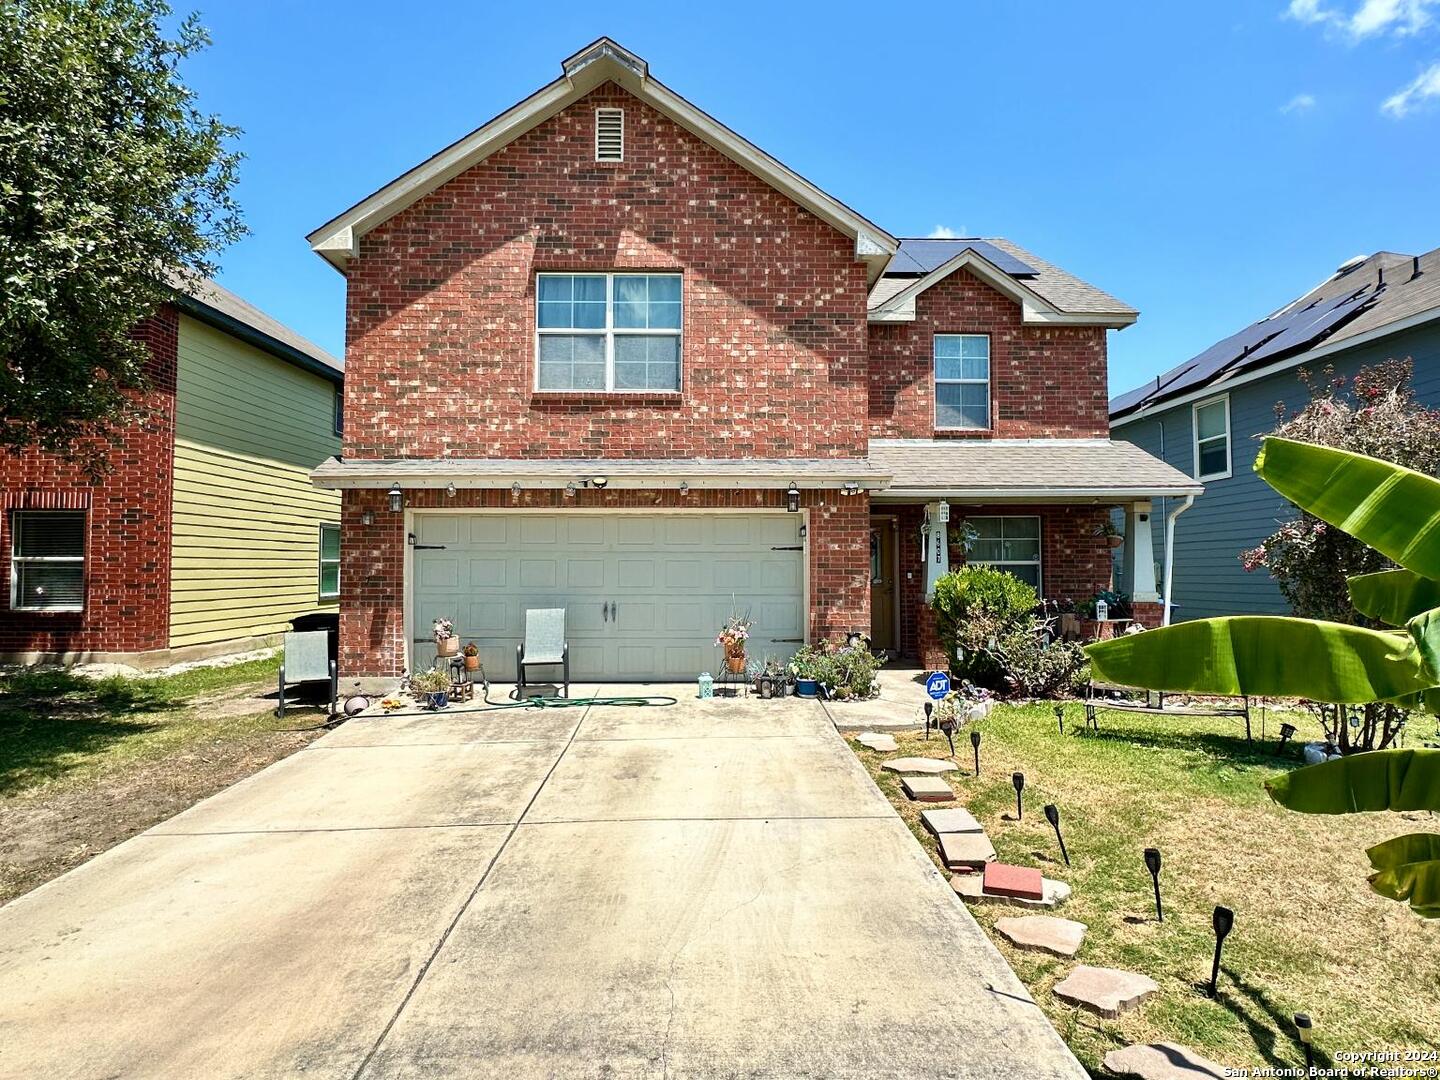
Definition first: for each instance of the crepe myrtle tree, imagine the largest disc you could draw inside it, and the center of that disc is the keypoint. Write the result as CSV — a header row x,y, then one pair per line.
x,y
113,184
1396,511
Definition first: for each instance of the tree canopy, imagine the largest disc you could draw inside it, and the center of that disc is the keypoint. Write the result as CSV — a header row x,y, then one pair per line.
x,y
113,184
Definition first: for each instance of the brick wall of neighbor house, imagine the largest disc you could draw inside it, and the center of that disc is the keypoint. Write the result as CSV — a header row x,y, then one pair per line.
x,y
440,310
1074,564
372,633
127,558
1045,381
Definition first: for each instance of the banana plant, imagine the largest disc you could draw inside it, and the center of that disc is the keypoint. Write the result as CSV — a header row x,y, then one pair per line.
x,y
1396,511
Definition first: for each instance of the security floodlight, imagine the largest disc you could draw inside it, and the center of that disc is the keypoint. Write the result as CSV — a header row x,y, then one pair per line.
x,y
450,490
1052,815
396,498
599,482
1223,921
684,488
1152,863
1018,779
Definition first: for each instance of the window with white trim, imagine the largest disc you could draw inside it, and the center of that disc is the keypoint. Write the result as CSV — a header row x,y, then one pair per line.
x,y
962,382
339,406
607,332
1007,543
329,562
609,134
1211,421
47,560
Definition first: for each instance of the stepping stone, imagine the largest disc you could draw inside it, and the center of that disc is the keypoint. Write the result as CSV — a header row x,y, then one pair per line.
x,y
1106,991
1162,1061
919,765
1022,882
966,851
948,821
971,887
1042,933
885,744
926,789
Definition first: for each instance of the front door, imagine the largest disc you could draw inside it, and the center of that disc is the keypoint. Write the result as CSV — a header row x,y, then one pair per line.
x,y
882,583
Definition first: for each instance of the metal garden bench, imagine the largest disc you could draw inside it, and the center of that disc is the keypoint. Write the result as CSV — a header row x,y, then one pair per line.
x,y
1099,697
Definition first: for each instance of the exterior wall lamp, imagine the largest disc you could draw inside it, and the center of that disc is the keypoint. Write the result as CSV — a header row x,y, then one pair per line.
x,y
851,488
792,499
397,499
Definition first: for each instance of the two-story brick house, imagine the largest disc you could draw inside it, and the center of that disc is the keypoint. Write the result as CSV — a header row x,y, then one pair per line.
x,y
604,353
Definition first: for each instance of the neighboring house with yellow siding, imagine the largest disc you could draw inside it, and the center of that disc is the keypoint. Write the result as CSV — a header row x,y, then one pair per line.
x,y
206,536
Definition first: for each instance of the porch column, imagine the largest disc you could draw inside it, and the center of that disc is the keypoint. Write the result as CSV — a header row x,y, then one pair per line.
x,y
937,545
1140,554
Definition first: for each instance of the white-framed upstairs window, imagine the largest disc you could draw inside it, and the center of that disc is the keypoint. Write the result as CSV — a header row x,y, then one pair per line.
x,y
1210,421
599,333
329,562
962,382
47,560
1010,543
609,134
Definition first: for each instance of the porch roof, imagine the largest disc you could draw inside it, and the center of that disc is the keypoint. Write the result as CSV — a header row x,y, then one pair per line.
x,y
698,473
1024,470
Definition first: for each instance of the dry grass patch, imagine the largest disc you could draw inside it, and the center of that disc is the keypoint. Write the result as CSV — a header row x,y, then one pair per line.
x,y
1309,934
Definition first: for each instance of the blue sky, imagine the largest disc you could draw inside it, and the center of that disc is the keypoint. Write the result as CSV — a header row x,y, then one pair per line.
x,y
1204,162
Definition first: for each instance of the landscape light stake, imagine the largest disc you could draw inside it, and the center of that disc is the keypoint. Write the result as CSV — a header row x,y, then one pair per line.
x,y
1152,863
1018,779
1060,717
1222,921
929,708
1286,731
1305,1029
1052,815
975,743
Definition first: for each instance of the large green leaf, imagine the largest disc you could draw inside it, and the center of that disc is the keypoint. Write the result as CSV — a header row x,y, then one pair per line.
x,y
1393,596
1392,509
1378,780
1265,656
1424,631
1408,868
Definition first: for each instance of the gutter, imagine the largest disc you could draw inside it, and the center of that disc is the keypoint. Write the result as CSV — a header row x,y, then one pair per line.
x,y
1170,551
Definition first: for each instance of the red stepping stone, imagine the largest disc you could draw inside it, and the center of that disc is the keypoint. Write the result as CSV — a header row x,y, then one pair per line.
x,y
1024,882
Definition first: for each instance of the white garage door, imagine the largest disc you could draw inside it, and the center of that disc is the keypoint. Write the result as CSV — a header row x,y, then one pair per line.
x,y
644,594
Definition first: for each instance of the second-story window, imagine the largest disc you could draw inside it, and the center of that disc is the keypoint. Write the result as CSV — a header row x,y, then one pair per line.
x,y
962,382
608,332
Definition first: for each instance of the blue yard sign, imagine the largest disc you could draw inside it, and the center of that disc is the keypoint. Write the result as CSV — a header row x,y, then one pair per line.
x,y
937,685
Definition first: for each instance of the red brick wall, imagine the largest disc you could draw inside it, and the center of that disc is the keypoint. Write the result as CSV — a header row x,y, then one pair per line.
x,y
372,632
127,567
440,310
1044,381
1074,562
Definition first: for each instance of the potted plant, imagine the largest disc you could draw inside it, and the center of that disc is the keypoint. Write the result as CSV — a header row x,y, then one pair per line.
x,y
472,657
812,669
732,638
446,643
1107,528
434,685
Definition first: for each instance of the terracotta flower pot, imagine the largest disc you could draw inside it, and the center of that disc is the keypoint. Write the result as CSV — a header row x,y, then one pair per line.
x,y
472,663
447,646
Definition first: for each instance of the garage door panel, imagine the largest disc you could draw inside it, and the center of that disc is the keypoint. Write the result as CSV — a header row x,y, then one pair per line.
x,y
672,578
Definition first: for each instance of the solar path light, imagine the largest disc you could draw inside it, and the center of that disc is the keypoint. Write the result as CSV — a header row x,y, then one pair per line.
x,y
929,708
1152,863
1018,779
1305,1029
1223,921
1287,731
1060,717
975,745
1052,815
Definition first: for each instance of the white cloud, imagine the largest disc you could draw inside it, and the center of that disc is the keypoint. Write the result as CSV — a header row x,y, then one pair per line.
x,y
1299,103
1425,87
1370,17
942,232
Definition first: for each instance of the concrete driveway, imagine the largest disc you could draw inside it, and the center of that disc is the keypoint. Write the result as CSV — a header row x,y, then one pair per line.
x,y
714,889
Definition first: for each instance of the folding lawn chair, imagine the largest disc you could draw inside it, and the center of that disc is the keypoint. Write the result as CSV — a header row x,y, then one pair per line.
x,y
544,646
307,659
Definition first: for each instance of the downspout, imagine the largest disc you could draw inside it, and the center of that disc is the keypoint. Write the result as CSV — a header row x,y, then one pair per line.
x,y
1170,551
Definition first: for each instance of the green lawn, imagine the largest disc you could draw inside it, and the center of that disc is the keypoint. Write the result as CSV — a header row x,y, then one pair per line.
x,y
1309,935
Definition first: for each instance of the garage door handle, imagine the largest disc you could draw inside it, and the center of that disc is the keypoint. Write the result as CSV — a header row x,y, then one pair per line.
x,y
604,611
797,547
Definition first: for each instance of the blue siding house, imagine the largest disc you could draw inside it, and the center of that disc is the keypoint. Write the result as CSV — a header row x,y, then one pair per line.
x,y
1206,417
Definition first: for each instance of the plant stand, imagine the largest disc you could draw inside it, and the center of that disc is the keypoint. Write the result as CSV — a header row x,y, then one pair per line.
x,y
727,681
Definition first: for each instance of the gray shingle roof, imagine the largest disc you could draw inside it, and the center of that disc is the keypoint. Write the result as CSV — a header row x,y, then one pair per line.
x,y
1026,468
281,339
1064,290
1389,292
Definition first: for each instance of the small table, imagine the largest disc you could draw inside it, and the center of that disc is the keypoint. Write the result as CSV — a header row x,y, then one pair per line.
x,y
461,688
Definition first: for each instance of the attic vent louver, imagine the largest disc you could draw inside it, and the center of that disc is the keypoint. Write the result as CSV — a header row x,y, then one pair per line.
x,y
609,134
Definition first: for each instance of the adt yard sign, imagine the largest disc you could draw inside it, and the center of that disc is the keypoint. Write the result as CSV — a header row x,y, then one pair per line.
x,y
937,685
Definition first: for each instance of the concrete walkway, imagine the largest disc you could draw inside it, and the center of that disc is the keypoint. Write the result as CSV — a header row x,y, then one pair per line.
x,y
715,889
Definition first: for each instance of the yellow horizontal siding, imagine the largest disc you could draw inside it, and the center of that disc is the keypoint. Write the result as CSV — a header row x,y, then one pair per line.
x,y
245,519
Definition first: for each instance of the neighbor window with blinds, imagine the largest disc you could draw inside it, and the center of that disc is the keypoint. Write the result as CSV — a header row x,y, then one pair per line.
x,y
962,382
608,332
329,561
47,560
1007,543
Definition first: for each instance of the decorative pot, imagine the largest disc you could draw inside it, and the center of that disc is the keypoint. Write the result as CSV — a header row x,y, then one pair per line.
x,y
438,699
1114,541
447,646
472,663
735,664
806,688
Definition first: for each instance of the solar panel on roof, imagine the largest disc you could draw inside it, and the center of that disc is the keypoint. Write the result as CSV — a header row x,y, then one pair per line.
x,y
1303,331
923,256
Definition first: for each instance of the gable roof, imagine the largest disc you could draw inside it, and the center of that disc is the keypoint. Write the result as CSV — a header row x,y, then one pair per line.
x,y
599,62
1045,293
1365,299
219,307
